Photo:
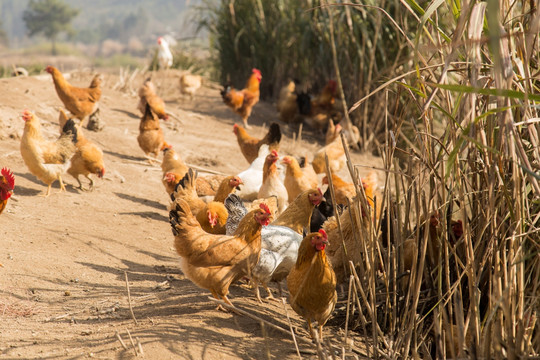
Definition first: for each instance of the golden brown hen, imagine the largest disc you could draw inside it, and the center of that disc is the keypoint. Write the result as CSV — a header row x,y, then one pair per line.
x,y
213,262
249,145
312,282
81,102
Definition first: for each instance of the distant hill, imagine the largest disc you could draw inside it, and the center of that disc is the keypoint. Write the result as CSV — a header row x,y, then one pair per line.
x,y
105,19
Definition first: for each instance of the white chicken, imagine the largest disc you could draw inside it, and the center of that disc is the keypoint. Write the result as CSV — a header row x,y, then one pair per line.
x,y
279,248
165,57
272,184
252,177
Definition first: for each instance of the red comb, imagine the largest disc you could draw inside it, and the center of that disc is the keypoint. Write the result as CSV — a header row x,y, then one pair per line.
x,y
323,233
274,153
320,192
8,174
265,208
256,71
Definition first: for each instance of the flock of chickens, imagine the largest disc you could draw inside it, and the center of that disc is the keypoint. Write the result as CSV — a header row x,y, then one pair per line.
x,y
287,232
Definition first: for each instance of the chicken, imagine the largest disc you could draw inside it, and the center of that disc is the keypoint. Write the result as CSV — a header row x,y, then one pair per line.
x,y
272,184
297,180
355,230
332,132
343,191
148,95
321,213
150,137
250,146
312,282
213,218
7,184
173,167
252,176
336,157
189,84
213,262
242,101
164,56
88,157
47,160
286,104
279,248
319,110
298,214
81,102
186,190
227,187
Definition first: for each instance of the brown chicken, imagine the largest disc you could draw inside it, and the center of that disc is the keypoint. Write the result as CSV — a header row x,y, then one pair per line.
x,y
148,95
189,84
272,184
343,190
319,110
336,157
186,190
173,167
213,218
297,179
213,262
298,214
355,228
150,137
7,184
208,185
47,160
88,157
249,145
242,101
227,187
332,132
312,282
81,102
286,104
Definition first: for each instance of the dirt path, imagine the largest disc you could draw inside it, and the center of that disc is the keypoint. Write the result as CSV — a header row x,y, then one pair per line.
x,y
64,258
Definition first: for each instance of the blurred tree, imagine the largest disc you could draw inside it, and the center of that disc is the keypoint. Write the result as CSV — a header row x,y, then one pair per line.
x,y
49,17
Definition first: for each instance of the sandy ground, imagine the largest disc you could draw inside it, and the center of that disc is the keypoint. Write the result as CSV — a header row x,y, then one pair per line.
x,y
65,258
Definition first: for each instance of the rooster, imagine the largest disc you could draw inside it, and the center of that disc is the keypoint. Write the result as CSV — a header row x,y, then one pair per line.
x,y
272,184
164,56
46,160
81,102
88,157
312,282
213,262
7,184
148,95
242,101
249,145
